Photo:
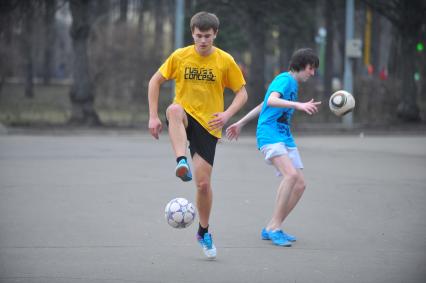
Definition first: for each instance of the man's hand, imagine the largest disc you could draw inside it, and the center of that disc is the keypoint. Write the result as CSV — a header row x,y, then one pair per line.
x,y
310,107
218,121
155,127
233,131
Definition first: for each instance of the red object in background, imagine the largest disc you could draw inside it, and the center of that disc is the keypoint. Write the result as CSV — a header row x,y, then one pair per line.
x,y
370,69
383,75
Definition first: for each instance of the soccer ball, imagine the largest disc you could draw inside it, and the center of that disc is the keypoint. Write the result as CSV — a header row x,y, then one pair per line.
x,y
180,213
341,102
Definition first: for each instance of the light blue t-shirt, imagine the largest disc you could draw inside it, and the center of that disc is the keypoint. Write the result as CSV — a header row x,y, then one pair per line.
x,y
273,125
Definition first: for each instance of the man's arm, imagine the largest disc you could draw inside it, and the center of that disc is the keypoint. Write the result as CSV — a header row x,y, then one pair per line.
x,y
310,107
221,118
233,131
154,123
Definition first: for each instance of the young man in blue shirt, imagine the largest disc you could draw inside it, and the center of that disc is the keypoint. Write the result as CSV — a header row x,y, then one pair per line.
x,y
275,141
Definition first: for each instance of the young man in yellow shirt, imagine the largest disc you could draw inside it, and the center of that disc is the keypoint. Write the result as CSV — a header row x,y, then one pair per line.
x,y
201,72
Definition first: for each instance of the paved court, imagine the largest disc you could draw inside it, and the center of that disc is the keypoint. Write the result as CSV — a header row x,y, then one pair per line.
x,y
89,208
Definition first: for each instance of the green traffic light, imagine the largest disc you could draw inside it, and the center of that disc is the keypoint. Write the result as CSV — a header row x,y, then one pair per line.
x,y
420,47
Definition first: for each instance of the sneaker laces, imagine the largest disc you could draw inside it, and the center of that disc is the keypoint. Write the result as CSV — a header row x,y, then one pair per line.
x,y
278,233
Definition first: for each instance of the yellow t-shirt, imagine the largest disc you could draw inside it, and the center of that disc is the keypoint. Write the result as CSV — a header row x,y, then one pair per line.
x,y
201,80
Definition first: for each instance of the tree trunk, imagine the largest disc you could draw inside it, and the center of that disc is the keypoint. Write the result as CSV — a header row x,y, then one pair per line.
x,y
124,7
27,50
328,64
375,48
49,22
408,110
158,33
81,94
286,46
257,66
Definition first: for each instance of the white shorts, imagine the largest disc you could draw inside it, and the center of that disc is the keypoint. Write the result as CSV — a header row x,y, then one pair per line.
x,y
277,149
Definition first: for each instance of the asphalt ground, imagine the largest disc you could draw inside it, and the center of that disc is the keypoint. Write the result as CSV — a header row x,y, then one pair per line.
x,y
90,208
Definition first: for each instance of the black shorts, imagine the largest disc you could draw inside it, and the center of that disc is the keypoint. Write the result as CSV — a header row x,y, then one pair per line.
x,y
200,140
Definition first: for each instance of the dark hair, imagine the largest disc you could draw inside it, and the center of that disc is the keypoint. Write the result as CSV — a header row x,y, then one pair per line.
x,y
303,57
204,21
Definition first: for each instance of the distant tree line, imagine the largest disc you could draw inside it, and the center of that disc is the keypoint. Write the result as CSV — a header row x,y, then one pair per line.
x,y
110,48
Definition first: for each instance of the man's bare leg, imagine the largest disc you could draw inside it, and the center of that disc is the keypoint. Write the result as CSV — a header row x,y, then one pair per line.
x,y
204,194
284,192
178,121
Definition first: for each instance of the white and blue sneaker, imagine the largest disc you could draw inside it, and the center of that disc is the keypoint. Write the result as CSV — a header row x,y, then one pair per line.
x,y
183,171
206,243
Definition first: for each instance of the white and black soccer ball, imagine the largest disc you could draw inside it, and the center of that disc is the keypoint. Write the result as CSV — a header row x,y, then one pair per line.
x,y
180,213
341,102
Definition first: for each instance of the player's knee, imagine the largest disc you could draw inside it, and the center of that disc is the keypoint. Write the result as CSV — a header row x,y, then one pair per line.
x,y
291,176
300,185
174,111
203,187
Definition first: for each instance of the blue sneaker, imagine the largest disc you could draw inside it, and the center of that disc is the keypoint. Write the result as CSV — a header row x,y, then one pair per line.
x,y
289,237
183,171
206,243
265,236
277,237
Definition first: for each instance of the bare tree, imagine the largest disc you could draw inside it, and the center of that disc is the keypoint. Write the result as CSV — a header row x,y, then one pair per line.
x,y
7,9
18,18
124,8
256,29
82,93
26,46
49,22
329,62
159,32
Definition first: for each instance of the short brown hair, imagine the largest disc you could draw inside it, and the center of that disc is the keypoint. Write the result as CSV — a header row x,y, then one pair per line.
x,y
204,21
303,57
